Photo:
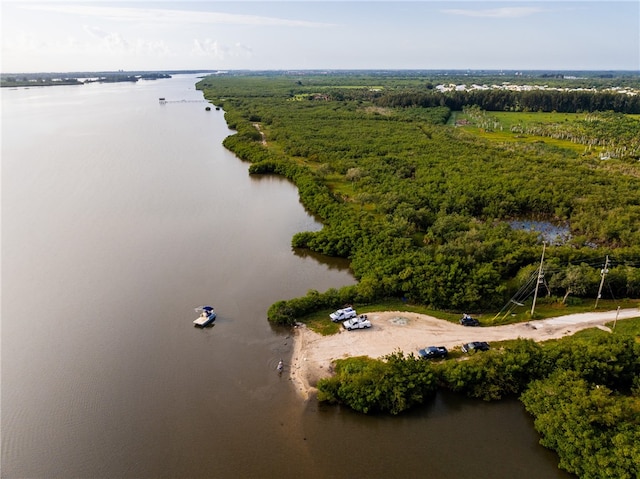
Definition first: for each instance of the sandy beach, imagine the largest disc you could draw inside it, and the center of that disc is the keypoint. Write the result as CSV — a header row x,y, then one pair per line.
x,y
391,331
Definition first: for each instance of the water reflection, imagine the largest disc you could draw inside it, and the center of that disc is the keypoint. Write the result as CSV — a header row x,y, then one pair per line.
x,y
449,436
548,232
339,264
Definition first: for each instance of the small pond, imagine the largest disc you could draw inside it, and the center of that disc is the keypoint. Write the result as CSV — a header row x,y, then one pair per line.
x,y
548,232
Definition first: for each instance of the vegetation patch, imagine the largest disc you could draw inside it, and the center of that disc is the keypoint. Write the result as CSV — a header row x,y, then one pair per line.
x,y
372,386
599,135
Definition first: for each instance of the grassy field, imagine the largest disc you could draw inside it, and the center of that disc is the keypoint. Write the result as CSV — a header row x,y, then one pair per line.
x,y
504,121
511,118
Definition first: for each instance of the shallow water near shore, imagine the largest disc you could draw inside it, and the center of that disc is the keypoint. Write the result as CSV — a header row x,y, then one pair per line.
x,y
120,215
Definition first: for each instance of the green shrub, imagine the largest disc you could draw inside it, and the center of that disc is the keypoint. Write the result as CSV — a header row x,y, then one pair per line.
x,y
595,432
495,374
391,385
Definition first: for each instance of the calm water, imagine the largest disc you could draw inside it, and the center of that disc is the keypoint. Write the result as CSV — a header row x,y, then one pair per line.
x,y
119,216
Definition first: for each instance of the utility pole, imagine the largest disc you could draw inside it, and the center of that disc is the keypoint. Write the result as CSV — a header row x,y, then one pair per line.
x,y
616,320
535,295
603,273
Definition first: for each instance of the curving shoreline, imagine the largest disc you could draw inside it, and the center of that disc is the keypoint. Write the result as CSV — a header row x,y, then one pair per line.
x,y
313,354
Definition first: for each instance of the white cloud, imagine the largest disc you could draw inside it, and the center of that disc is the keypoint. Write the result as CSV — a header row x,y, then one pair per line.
x,y
208,47
244,49
28,43
114,42
504,12
96,32
24,42
156,48
164,16
100,42
219,51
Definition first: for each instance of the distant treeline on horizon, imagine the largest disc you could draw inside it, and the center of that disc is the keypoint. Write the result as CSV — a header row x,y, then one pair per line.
x,y
79,78
542,73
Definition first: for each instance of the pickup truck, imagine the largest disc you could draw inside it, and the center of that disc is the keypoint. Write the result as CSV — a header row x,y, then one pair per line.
x,y
342,314
432,352
359,322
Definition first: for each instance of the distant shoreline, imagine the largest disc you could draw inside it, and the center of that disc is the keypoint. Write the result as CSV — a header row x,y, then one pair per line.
x,y
13,82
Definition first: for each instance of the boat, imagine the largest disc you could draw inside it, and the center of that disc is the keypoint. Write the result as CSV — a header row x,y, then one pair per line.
x,y
207,316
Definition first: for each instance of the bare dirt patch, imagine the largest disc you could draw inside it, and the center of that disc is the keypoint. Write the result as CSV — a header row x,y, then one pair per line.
x,y
392,331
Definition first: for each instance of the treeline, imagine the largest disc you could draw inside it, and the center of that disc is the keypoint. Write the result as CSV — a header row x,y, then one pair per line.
x,y
507,100
26,82
584,394
52,79
562,283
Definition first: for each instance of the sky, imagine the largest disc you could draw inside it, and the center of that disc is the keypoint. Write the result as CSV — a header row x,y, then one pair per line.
x,y
74,36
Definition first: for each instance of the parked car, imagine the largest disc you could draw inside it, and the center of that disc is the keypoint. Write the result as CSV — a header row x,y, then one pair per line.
x,y
432,352
475,346
467,320
359,322
342,314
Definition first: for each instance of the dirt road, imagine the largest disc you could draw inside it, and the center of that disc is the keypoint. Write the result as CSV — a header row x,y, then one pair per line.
x,y
395,330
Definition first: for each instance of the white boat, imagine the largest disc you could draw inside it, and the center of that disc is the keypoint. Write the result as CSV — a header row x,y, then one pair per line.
x,y
207,316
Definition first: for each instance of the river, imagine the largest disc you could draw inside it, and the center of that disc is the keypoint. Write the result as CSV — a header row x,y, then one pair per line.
x,y
120,215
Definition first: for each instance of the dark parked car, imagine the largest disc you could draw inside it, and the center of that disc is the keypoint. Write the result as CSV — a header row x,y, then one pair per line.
x,y
431,352
475,346
467,320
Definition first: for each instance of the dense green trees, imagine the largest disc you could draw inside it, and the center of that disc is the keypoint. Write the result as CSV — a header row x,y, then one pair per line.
x,y
496,374
508,100
594,430
612,361
420,208
372,386
574,279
